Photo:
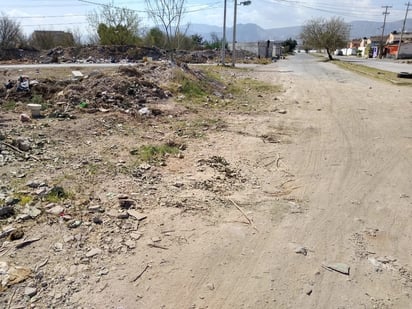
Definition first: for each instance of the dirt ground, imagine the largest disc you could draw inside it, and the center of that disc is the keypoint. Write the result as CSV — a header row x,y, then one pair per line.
x,y
297,199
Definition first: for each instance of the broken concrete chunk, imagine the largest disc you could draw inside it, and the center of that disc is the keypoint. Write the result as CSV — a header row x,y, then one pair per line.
x,y
77,75
137,215
338,267
93,252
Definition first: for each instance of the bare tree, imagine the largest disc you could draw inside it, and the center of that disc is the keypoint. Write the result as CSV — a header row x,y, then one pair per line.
x,y
115,25
10,32
168,15
328,34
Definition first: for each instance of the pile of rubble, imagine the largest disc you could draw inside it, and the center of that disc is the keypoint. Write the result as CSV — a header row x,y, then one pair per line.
x,y
130,88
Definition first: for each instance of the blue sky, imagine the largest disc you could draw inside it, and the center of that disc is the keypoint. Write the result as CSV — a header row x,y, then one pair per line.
x,y
71,14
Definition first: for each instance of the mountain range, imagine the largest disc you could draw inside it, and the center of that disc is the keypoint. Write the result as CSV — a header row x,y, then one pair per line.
x,y
253,33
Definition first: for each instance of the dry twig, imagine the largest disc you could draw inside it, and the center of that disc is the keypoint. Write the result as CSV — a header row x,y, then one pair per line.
x,y
141,273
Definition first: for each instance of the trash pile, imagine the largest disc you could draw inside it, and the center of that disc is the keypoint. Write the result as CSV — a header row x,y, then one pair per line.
x,y
129,89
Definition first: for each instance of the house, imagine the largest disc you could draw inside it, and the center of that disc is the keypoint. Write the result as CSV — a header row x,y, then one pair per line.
x,y
352,47
270,49
262,49
392,45
369,47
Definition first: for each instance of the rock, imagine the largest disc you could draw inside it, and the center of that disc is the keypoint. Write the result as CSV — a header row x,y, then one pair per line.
x,y
137,215
156,239
210,286
56,210
282,111
126,203
6,212
68,238
16,234
338,267
33,212
301,250
130,244
22,144
144,111
10,201
74,224
95,208
33,184
97,220
93,252
123,215
135,235
30,292
25,118
58,246
11,274
77,75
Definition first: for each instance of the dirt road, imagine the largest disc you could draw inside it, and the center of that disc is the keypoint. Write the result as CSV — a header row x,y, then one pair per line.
x,y
322,176
334,188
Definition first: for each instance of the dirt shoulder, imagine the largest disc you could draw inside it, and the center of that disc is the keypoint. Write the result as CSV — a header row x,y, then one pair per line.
x,y
253,208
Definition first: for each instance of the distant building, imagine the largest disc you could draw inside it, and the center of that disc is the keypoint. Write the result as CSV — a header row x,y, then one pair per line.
x,y
262,49
392,45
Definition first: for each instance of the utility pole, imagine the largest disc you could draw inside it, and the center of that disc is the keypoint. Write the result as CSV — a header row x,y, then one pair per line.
x,y
386,7
247,2
234,35
403,29
224,36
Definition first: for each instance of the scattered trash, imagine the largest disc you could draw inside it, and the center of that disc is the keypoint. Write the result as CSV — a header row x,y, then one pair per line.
x,y
12,274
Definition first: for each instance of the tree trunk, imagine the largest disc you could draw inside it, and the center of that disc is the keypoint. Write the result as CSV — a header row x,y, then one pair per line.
x,y
329,54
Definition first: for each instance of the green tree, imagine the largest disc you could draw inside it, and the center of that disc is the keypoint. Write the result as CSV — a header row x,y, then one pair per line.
x,y
155,37
197,40
289,45
328,34
214,43
115,25
11,34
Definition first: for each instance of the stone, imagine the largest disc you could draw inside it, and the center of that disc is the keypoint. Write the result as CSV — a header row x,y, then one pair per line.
x,y
282,111
135,235
97,220
338,267
130,244
30,292
137,215
6,212
74,224
126,203
301,250
95,208
210,286
56,210
123,215
33,184
77,75
23,145
33,212
93,252
25,118
58,246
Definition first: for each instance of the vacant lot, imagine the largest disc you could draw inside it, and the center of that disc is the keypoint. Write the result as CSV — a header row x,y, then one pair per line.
x,y
277,186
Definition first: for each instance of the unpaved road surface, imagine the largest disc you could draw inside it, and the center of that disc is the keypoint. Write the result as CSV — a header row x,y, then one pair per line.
x,y
337,184
329,183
